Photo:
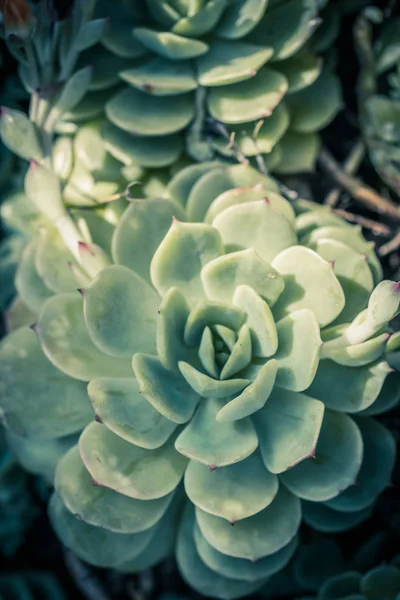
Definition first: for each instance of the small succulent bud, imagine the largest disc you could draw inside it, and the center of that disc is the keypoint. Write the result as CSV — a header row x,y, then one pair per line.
x,y
17,17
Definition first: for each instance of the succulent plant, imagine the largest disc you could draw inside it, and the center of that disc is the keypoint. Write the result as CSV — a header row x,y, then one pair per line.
x,y
379,105
192,66
380,583
241,349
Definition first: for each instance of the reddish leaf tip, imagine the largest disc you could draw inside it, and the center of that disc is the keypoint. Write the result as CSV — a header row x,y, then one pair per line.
x,y
96,483
212,467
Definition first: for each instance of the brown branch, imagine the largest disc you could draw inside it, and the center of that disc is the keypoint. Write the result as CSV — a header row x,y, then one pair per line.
x,y
84,579
350,166
391,246
362,193
377,228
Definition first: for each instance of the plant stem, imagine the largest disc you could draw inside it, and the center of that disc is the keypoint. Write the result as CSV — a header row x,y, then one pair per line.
x,y
84,578
362,193
391,246
350,166
377,228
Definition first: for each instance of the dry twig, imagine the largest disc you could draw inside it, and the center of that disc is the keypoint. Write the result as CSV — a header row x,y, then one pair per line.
x,y
391,246
350,166
362,193
374,226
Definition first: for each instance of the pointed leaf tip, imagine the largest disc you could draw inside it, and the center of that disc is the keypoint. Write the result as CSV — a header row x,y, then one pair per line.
x,y
84,247
81,291
98,419
212,467
96,483
396,287
34,327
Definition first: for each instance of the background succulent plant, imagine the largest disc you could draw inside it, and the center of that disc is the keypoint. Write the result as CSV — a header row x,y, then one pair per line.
x,y
257,333
378,583
185,64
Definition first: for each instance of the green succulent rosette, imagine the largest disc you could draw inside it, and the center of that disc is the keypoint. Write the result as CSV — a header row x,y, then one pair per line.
x,y
233,347
380,112
177,64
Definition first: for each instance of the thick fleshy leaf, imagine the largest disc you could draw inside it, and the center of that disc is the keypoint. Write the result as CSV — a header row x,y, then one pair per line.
x,y
234,492
168,393
309,283
230,62
227,336
140,231
172,316
336,464
314,107
211,185
198,575
52,259
254,396
95,545
388,397
354,275
207,386
29,285
202,20
264,336
221,276
356,241
255,537
66,342
128,469
288,429
361,354
170,45
240,354
255,225
118,37
136,150
36,399
161,77
286,27
143,114
161,545
120,406
381,583
216,444
240,18
376,468
240,568
100,506
184,180
299,349
324,519
298,153
243,195
248,100
348,389
301,70
178,261
269,133
120,311
40,457
211,313
345,584
206,353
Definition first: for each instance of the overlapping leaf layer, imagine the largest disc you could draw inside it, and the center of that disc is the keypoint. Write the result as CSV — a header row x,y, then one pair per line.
x,y
166,67
234,348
